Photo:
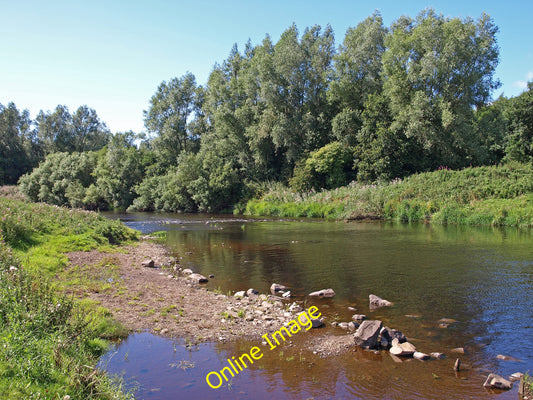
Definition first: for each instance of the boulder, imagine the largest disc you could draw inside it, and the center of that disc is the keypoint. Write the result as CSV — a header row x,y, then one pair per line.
x,y
198,278
497,382
377,302
148,264
366,336
277,288
420,356
395,334
323,293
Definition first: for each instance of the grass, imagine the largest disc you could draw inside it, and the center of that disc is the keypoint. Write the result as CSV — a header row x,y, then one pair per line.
x,y
50,339
496,195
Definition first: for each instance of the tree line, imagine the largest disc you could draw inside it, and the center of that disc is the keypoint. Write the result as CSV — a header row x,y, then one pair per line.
x,y
387,102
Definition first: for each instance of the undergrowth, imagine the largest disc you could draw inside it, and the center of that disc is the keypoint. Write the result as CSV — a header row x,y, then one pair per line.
x,y
497,195
49,340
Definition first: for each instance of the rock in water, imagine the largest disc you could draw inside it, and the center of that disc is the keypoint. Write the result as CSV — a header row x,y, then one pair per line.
x,y
497,382
376,302
420,356
148,264
323,293
198,278
277,288
286,294
358,317
366,336
402,349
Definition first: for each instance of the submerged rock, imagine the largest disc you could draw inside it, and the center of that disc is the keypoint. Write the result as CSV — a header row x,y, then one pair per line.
x,y
323,293
497,382
437,355
377,302
367,334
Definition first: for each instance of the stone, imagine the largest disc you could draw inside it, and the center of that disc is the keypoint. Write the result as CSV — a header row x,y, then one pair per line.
x,y
323,293
251,292
506,358
420,356
286,295
367,334
447,321
352,308
437,355
164,331
13,268
353,325
198,278
148,264
516,376
211,276
457,365
240,294
497,382
402,349
315,323
343,325
294,307
460,350
377,302
395,334
358,317
277,288
186,271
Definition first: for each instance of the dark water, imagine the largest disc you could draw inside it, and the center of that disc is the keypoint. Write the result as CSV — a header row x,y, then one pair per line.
x,y
481,277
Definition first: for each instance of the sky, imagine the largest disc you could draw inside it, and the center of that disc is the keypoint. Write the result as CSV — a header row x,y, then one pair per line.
x,y
112,55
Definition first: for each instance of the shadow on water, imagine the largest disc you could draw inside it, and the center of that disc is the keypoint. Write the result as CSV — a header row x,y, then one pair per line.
x,y
482,277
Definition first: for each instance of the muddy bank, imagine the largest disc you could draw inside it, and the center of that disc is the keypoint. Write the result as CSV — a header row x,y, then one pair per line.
x,y
165,301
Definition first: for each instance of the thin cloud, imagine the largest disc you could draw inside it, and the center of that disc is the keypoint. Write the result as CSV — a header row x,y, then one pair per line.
x,y
523,84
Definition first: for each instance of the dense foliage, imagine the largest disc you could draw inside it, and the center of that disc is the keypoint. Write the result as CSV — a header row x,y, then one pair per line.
x,y
386,103
495,195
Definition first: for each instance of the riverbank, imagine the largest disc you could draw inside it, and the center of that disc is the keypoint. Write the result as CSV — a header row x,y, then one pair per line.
x,y
497,195
50,341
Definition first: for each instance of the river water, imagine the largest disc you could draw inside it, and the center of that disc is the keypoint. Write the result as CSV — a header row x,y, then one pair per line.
x,y
480,277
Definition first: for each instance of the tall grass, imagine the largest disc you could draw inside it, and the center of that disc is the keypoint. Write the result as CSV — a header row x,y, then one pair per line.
x,y
49,342
495,195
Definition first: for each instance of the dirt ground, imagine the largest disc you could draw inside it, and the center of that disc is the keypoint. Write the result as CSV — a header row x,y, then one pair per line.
x,y
165,301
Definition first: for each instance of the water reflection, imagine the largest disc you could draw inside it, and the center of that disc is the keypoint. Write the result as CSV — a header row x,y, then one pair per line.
x,y
482,277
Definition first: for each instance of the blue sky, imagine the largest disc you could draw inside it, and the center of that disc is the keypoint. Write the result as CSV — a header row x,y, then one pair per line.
x,y
112,55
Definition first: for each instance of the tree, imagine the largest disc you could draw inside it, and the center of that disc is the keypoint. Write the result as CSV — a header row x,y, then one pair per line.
x,y
174,104
437,70
18,150
62,132
519,114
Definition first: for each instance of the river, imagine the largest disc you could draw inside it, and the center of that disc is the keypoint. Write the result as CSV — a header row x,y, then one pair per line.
x,y
480,277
